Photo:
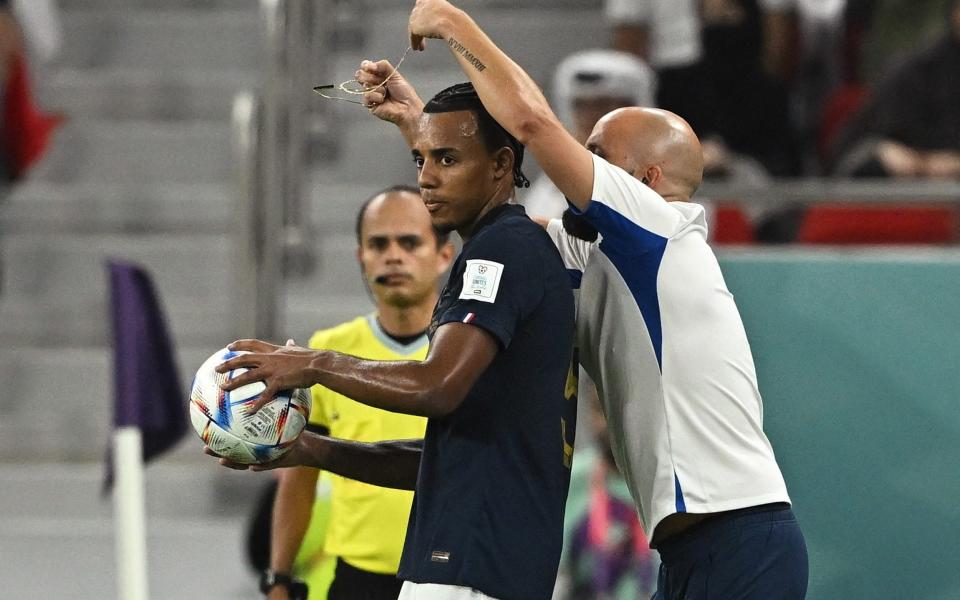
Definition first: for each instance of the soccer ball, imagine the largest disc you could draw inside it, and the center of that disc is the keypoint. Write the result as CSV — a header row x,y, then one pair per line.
x,y
223,422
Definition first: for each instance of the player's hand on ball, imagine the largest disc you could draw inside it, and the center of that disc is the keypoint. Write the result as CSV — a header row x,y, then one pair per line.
x,y
397,102
225,461
267,466
226,423
279,367
284,461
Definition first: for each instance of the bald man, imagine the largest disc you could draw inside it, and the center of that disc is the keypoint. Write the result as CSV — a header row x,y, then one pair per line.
x,y
657,328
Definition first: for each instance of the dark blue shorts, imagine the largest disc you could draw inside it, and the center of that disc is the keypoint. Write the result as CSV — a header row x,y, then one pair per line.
x,y
753,553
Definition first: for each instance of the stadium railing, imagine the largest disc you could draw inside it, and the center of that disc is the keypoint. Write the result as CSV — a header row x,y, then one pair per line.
x,y
817,190
269,137
840,211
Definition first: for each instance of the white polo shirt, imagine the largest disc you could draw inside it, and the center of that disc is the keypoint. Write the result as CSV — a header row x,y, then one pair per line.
x,y
661,336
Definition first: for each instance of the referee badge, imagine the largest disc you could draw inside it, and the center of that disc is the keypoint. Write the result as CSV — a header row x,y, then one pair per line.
x,y
481,280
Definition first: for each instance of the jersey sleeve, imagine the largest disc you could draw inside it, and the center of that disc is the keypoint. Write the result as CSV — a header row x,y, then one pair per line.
x,y
573,251
500,284
626,211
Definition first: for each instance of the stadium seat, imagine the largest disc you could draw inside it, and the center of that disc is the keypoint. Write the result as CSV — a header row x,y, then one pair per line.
x,y
731,226
872,224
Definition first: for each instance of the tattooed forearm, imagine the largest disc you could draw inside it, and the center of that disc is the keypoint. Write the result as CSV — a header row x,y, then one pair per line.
x,y
461,50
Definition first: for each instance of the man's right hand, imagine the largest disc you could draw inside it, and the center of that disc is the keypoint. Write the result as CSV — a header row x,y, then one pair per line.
x,y
397,101
304,452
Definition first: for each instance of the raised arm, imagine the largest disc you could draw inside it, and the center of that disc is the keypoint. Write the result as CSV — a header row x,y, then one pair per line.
x,y
434,387
510,96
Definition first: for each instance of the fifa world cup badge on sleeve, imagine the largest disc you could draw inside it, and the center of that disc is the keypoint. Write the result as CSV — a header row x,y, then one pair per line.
x,y
481,280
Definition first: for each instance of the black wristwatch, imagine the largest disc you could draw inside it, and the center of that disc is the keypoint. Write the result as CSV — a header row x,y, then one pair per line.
x,y
296,589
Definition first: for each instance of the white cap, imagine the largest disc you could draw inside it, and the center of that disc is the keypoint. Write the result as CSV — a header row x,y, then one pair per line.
x,y
602,74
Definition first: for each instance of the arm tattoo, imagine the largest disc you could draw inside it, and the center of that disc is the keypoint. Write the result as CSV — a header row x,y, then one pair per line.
x,y
461,50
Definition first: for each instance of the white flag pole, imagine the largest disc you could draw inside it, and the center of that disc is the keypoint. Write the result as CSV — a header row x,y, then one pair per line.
x,y
130,530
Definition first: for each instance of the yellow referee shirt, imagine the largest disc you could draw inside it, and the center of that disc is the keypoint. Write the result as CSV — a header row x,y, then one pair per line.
x,y
367,523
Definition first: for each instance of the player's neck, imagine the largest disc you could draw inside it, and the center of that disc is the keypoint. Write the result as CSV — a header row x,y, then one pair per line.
x,y
409,320
498,200
672,192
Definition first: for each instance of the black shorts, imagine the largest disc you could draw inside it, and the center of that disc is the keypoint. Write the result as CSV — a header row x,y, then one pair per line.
x,y
351,583
755,553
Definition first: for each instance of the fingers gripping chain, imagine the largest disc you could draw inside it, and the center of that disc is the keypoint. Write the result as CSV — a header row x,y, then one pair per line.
x,y
352,87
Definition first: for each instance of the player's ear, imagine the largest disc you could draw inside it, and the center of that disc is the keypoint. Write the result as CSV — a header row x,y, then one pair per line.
x,y
503,166
444,256
651,176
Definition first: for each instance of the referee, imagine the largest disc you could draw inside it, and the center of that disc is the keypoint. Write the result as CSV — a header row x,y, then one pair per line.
x,y
401,258
656,327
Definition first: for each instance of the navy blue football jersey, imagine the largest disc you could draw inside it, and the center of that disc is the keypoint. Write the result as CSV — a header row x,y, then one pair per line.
x,y
488,508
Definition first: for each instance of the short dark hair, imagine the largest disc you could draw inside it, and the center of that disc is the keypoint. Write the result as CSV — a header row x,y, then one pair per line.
x,y
463,96
442,237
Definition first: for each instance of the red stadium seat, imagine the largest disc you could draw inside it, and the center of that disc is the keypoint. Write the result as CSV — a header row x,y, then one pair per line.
x,y
731,226
872,224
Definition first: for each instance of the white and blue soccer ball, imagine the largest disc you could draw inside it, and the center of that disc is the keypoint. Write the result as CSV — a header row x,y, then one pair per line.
x,y
223,420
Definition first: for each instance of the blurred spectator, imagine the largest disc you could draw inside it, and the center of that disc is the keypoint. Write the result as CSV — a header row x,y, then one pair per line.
x,y
11,40
778,23
748,45
721,65
910,127
873,33
24,129
808,61
586,86
895,27
606,554
11,46
842,89
591,83
40,22
751,55
666,35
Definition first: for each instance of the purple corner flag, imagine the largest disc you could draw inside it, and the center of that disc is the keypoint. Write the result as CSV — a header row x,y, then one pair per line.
x,y
147,390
